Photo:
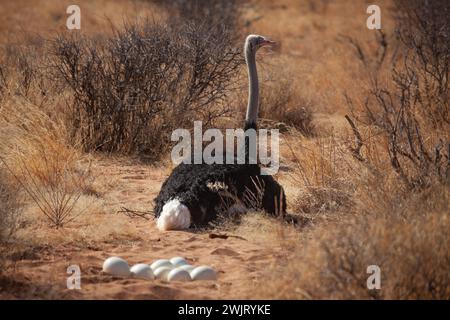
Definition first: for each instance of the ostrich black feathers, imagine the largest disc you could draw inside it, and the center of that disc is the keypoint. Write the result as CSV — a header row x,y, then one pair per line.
x,y
204,188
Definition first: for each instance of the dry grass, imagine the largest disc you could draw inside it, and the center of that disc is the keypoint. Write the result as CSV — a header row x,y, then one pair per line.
x,y
366,193
43,165
411,246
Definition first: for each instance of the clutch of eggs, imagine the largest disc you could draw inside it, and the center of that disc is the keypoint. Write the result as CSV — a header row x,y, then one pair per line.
x,y
175,269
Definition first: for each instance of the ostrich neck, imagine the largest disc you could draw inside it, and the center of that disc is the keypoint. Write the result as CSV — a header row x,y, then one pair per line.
x,y
253,90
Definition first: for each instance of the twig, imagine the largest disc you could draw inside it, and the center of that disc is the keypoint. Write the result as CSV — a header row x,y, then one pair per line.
x,y
224,236
135,213
357,150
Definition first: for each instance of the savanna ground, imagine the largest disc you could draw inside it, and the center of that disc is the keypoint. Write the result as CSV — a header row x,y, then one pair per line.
x,y
85,124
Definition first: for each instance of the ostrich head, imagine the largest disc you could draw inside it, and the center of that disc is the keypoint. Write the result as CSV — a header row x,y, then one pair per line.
x,y
254,42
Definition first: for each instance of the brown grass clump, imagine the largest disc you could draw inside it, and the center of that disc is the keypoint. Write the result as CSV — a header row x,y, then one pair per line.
x,y
411,248
38,157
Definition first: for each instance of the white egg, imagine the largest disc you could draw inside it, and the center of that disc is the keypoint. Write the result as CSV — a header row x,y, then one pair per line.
x,y
162,272
187,267
178,274
178,261
161,263
203,273
142,271
116,266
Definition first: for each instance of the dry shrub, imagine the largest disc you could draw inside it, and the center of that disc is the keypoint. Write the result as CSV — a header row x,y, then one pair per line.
x,y
407,103
423,28
50,176
411,247
132,89
37,156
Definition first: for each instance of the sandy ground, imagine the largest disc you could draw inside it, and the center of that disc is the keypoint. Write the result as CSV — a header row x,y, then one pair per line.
x,y
41,271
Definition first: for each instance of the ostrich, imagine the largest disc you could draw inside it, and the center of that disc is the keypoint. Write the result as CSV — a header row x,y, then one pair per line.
x,y
193,193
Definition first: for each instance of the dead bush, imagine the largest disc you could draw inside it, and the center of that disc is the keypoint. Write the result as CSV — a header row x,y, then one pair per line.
x,y
132,89
412,251
410,110
52,180
423,28
36,154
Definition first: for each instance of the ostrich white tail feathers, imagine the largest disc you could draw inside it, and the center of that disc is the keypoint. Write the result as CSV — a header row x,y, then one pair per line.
x,y
174,216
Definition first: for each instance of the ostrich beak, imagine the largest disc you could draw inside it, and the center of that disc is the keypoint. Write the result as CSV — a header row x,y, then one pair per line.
x,y
268,42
